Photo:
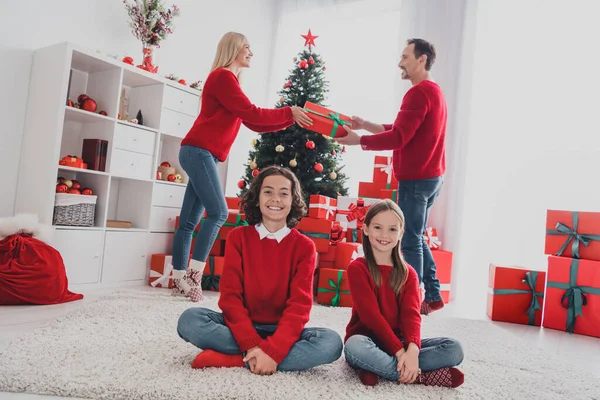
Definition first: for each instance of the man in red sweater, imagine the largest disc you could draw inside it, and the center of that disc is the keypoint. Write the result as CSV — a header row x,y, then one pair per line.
x,y
417,138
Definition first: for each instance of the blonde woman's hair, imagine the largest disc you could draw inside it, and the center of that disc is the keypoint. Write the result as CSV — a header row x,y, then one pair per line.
x,y
227,50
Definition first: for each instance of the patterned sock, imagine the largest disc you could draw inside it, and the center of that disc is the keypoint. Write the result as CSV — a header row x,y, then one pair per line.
x,y
194,272
446,377
368,378
211,358
427,307
180,287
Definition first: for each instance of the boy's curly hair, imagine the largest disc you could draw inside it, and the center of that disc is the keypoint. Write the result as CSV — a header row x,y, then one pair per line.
x,y
250,204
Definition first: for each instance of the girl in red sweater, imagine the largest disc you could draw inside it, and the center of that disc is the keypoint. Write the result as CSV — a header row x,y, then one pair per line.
x,y
383,337
224,108
266,289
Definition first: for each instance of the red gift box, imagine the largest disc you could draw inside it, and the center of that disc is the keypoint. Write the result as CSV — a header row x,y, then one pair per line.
x,y
391,194
233,203
74,162
234,220
345,253
443,264
515,295
322,207
432,239
383,172
319,230
572,300
161,269
325,121
354,235
212,273
329,255
372,190
573,234
351,211
333,288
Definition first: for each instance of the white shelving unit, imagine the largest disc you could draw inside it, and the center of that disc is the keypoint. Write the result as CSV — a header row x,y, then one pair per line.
x,y
127,189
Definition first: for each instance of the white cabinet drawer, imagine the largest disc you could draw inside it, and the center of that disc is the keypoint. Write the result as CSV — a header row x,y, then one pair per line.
x,y
174,123
179,100
134,139
128,164
81,251
168,195
162,219
125,256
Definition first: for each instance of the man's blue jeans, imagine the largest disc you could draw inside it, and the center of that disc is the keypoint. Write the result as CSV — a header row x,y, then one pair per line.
x,y
415,199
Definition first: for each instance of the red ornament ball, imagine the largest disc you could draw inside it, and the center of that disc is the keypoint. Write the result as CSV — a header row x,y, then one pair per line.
x,y
318,167
242,184
310,145
324,68
255,172
182,81
311,60
287,84
88,105
303,64
171,178
87,192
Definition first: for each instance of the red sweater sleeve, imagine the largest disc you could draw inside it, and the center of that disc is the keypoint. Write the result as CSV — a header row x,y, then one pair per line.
x,y
410,310
231,301
297,308
229,93
267,128
411,115
365,302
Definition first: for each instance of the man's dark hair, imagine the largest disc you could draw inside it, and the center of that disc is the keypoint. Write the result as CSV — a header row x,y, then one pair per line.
x,y
422,46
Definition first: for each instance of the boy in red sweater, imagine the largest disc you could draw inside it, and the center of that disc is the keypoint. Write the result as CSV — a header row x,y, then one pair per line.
x,y
418,139
224,108
383,337
266,289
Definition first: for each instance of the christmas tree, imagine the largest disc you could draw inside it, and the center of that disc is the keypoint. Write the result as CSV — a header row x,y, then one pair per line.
x,y
313,157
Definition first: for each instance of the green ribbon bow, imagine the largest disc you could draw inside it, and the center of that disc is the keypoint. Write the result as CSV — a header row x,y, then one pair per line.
x,y
337,121
336,289
211,281
574,294
317,235
562,229
530,280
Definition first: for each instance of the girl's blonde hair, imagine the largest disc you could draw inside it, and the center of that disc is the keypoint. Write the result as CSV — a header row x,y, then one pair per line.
x,y
400,270
227,50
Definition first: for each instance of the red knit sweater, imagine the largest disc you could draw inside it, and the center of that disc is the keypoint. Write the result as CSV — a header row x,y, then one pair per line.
x,y
270,283
224,108
418,135
378,313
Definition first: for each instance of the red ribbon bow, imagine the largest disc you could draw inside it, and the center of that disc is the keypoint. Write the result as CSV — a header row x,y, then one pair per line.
x,y
357,212
337,233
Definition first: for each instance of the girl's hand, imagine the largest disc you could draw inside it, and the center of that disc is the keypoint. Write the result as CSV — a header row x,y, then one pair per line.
x,y
410,365
301,117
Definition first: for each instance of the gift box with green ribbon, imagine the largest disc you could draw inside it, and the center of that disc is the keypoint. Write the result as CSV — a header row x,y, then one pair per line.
x,y
234,220
318,230
391,194
327,122
372,190
212,273
572,300
573,234
333,288
383,172
516,295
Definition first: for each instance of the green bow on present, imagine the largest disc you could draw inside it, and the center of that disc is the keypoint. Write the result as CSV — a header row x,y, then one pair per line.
x,y
572,234
316,235
575,295
530,280
335,117
336,289
211,281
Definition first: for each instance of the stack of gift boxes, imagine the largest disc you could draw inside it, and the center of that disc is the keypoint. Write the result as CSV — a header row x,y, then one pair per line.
x,y
566,296
160,264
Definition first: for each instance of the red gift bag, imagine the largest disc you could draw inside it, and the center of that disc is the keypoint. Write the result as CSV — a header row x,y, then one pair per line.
x,y
32,272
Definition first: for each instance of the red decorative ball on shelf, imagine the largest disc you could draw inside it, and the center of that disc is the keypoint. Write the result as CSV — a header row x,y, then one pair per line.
x,y
182,81
87,192
242,184
171,178
310,145
89,105
74,191
128,60
62,188
103,113
81,98
318,167
165,164
75,185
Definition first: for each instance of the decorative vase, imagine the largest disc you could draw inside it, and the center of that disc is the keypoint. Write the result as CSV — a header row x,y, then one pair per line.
x,y
148,52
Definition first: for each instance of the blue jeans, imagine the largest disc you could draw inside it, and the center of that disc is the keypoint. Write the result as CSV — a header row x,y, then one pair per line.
x,y
206,330
361,352
415,199
203,192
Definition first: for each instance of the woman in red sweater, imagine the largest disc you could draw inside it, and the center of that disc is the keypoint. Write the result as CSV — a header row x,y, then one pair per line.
x,y
266,289
224,108
383,337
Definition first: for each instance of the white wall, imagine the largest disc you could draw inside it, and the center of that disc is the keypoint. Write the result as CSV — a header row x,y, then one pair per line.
x,y
102,25
532,131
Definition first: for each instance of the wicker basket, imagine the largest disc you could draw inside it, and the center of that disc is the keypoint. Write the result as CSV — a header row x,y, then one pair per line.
x,y
74,209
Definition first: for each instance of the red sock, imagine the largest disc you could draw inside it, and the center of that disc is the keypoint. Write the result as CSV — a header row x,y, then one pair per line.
x,y
428,307
368,378
211,358
447,377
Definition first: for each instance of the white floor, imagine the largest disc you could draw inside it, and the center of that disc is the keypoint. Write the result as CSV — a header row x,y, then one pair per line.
x,y
17,320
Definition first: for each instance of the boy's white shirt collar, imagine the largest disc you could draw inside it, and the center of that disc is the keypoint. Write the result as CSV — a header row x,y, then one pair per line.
x,y
279,235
